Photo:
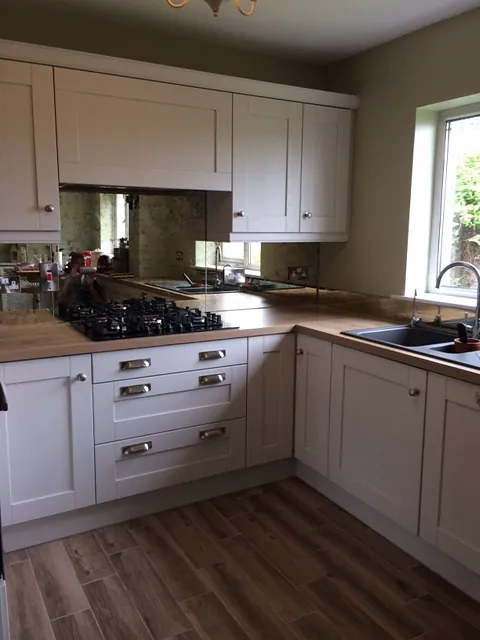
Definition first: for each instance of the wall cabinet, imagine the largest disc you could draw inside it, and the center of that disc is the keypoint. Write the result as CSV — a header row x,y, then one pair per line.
x,y
376,440
123,131
46,438
312,413
29,204
449,517
291,174
271,379
325,189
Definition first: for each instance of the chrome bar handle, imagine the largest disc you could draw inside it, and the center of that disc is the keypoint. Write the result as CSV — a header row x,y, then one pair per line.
x,y
212,434
216,378
136,390
135,449
129,365
211,355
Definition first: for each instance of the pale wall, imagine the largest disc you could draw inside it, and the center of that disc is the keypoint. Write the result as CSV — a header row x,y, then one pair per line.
x,y
32,22
435,64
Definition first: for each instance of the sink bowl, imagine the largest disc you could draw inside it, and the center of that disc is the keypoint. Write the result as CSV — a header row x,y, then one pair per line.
x,y
403,336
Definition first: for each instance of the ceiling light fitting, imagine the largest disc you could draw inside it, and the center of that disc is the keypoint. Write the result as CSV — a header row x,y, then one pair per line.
x,y
215,6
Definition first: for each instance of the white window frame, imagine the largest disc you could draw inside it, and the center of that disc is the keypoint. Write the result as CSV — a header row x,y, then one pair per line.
x,y
246,263
436,232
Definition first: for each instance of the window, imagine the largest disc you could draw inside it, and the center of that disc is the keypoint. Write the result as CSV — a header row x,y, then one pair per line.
x,y
114,212
456,215
236,254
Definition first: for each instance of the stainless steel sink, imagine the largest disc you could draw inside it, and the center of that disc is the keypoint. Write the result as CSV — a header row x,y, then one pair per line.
x,y
403,336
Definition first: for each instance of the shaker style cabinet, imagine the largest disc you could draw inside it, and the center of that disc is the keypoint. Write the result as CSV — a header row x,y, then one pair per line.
x,y
123,131
267,156
450,517
271,379
29,204
312,401
325,190
376,438
46,438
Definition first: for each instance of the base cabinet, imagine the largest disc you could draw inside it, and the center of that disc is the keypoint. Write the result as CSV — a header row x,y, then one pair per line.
x,y
271,379
376,439
46,438
450,518
312,413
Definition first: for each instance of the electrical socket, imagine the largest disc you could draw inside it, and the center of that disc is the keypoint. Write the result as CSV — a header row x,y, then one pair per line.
x,y
297,273
180,256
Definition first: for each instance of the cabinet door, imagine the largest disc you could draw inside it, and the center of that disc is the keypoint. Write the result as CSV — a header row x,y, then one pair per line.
x,y
449,517
312,413
376,438
114,130
271,379
267,150
28,153
327,134
46,438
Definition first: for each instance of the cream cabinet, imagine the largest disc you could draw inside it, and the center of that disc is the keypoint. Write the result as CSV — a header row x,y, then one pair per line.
x,y
450,517
376,433
325,189
29,203
46,438
312,402
114,130
270,392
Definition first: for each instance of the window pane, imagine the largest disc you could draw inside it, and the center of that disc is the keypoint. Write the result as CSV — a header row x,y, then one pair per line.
x,y
233,251
255,253
460,237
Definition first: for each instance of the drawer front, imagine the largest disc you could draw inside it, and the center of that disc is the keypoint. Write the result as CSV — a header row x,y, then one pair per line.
x,y
139,465
137,407
144,363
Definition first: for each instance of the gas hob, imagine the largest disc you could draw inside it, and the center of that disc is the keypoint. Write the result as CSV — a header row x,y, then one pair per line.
x,y
137,318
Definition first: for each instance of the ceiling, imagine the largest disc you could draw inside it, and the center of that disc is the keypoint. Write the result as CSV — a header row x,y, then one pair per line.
x,y
315,30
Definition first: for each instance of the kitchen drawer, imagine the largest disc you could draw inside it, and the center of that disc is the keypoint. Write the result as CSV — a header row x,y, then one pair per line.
x,y
136,407
140,363
139,465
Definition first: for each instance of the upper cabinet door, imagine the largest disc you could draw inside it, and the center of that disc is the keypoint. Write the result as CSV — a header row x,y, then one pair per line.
x,y
121,131
267,150
28,152
450,518
327,134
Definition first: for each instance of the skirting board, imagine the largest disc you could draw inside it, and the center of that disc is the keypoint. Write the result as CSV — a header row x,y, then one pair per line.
x,y
424,552
74,522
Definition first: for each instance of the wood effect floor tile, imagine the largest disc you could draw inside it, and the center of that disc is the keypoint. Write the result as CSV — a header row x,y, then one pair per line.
x,y
189,635
59,586
396,619
212,620
116,616
383,547
194,543
115,538
160,612
342,612
234,504
171,565
282,521
399,584
283,552
246,603
282,596
13,557
447,593
206,516
79,626
316,627
87,557
27,613
442,619
282,498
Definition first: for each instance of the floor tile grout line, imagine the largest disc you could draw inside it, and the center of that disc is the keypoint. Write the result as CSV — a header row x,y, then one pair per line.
x,y
70,614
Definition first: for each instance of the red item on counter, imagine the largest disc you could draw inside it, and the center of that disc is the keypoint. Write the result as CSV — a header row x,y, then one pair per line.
x,y
88,258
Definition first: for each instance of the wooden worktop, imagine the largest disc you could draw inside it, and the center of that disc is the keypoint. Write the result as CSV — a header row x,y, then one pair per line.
x,y
283,312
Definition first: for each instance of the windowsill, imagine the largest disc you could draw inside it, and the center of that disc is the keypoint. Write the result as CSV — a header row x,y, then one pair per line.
x,y
453,302
248,272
